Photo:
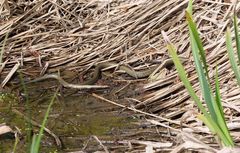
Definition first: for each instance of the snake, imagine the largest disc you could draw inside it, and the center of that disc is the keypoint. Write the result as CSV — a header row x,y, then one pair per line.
x,y
97,73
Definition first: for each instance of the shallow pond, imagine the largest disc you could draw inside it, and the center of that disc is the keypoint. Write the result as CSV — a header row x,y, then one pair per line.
x,y
74,119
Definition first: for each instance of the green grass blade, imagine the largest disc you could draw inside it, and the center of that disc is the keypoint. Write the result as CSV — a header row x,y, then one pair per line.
x,y
218,96
32,149
29,113
219,111
36,144
183,77
182,74
214,128
215,120
15,144
231,55
197,48
189,8
193,28
205,87
208,123
236,31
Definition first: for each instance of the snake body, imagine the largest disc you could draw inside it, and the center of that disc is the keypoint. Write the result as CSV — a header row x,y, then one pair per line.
x,y
97,73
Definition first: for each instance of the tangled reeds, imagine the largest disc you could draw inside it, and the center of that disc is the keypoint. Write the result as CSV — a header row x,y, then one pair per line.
x,y
45,36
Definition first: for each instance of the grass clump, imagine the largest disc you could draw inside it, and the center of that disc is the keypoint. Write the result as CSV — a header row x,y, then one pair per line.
x,y
213,117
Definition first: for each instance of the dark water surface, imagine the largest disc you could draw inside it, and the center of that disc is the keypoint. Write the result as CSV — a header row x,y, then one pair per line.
x,y
73,119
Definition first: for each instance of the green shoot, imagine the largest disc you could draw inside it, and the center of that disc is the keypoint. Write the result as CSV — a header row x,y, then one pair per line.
x,y
230,51
29,124
215,118
35,147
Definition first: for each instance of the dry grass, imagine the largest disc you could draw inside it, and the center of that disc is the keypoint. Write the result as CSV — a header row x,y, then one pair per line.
x,y
45,36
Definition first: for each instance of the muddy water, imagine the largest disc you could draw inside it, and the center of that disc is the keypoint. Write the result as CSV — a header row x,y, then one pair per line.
x,y
73,119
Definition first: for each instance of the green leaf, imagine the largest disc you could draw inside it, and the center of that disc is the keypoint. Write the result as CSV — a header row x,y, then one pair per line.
x,y
231,55
36,141
215,120
218,96
215,129
208,123
189,8
29,113
236,35
32,149
219,111
183,77
193,29
206,118
204,84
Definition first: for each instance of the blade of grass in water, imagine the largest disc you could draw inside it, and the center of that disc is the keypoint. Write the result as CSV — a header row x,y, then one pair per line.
x,y
15,144
37,139
34,139
231,55
29,114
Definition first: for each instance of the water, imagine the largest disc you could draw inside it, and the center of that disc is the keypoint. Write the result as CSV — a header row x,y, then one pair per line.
x,y
74,119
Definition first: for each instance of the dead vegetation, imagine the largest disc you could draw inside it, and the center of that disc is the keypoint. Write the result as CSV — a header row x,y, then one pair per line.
x,y
45,36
